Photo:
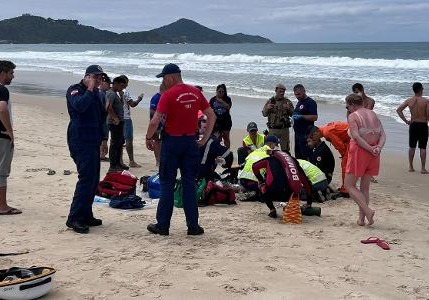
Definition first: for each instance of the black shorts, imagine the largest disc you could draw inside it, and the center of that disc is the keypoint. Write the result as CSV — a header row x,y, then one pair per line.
x,y
224,124
418,133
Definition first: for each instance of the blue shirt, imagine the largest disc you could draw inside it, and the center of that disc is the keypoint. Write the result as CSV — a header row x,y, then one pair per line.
x,y
152,107
304,107
154,104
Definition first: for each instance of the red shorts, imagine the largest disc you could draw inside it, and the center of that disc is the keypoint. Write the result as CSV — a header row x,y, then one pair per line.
x,y
360,162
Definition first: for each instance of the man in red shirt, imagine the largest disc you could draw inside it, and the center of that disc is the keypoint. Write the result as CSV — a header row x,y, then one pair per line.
x,y
178,108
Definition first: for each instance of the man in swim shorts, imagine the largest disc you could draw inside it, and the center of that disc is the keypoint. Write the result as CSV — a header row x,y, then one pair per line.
x,y
418,132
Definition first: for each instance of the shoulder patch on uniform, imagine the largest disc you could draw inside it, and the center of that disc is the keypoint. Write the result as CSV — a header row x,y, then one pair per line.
x,y
74,92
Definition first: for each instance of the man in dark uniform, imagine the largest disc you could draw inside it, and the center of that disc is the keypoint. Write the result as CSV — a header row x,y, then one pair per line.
x,y
178,106
304,116
320,156
212,150
84,135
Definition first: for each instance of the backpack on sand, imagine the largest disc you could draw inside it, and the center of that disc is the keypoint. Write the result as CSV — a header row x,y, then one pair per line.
x,y
178,191
120,183
216,194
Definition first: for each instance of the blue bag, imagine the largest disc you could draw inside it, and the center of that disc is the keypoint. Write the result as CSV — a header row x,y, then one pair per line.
x,y
153,186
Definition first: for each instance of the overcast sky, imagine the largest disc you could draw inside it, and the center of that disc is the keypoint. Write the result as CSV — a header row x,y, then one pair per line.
x,y
278,20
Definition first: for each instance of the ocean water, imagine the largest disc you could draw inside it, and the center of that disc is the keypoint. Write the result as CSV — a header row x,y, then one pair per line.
x,y
387,70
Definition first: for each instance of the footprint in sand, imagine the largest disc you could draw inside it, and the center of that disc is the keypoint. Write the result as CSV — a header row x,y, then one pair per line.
x,y
271,268
213,274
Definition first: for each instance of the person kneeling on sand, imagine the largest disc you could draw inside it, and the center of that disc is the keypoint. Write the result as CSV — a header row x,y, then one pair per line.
x,y
318,181
210,152
363,162
246,177
282,176
320,156
252,141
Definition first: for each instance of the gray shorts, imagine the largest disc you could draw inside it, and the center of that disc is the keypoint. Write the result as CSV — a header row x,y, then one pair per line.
x,y
6,155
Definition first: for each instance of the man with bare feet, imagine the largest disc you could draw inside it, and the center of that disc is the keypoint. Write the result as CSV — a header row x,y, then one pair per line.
x,y
6,135
367,140
418,131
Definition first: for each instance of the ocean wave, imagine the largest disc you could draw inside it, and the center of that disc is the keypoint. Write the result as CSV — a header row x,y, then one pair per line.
x,y
237,58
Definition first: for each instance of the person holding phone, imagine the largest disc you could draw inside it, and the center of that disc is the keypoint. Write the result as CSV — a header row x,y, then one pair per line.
x,y
84,136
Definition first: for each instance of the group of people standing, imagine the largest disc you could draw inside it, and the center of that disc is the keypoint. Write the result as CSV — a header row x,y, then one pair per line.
x,y
178,106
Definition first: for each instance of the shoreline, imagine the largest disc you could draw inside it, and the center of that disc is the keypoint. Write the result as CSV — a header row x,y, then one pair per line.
x,y
243,111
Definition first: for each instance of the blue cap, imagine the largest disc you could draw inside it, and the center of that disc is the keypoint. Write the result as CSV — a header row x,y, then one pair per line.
x,y
94,69
271,139
169,69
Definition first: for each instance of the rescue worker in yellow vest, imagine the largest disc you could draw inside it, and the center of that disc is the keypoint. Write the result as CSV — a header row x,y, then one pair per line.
x,y
252,141
279,109
246,177
317,178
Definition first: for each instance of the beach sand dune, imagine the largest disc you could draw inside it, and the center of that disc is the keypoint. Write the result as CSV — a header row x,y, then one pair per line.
x,y
243,254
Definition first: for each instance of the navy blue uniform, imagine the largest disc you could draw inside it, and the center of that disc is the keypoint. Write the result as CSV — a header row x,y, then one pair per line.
x,y
208,154
84,135
301,127
323,158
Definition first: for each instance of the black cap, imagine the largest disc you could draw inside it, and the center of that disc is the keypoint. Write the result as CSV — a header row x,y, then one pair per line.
x,y
94,69
271,139
169,69
252,126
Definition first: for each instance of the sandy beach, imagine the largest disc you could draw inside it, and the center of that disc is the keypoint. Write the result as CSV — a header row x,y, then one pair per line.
x,y
243,254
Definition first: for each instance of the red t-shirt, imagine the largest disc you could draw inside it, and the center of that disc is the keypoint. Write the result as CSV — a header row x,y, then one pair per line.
x,y
181,104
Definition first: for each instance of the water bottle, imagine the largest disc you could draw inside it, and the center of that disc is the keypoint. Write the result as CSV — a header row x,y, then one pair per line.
x,y
99,199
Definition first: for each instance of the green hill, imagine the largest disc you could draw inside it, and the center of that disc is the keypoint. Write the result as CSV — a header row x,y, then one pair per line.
x,y
28,29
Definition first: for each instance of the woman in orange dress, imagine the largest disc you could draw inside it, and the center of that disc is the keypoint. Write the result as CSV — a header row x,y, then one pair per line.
x,y
367,140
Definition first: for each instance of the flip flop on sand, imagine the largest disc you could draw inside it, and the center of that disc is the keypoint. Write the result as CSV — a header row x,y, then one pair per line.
x,y
67,172
383,245
11,211
51,172
370,240
375,240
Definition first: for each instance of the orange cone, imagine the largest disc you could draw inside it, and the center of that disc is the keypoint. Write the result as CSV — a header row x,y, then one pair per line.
x,y
292,213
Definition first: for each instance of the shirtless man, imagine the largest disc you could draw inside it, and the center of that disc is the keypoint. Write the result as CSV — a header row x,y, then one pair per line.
x,y
367,140
368,102
418,132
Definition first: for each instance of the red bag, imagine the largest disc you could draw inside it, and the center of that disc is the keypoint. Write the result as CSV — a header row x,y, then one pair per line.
x,y
216,194
121,183
123,177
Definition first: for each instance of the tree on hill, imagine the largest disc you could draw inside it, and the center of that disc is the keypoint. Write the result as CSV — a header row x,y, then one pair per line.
x,y
30,29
